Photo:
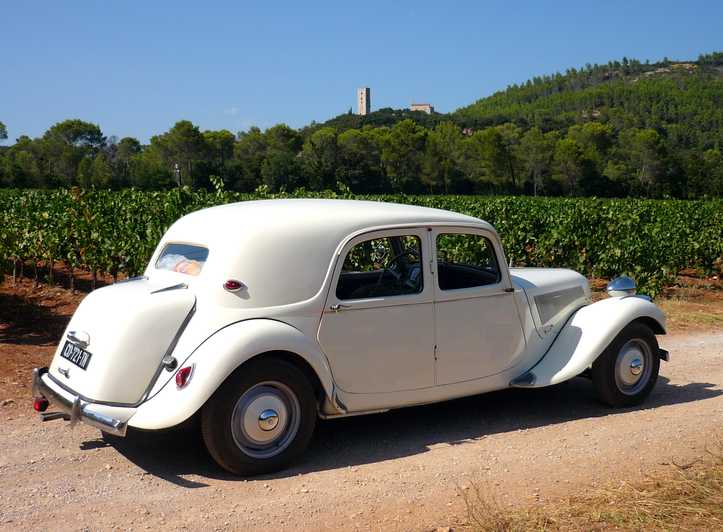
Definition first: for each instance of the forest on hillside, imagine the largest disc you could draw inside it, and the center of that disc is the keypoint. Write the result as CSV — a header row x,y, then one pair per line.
x,y
625,128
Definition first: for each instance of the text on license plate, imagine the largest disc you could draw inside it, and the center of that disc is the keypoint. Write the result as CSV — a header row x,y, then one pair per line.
x,y
77,355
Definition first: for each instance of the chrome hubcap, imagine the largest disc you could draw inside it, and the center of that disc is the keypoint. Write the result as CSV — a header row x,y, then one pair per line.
x,y
265,419
268,420
633,366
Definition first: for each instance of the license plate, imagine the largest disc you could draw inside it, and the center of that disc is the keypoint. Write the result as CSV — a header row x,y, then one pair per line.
x,y
77,355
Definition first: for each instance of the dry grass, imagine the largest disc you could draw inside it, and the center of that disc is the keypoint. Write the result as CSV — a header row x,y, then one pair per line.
x,y
690,314
685,498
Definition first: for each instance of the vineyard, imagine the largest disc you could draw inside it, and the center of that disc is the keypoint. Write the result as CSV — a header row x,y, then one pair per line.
x,y
116,232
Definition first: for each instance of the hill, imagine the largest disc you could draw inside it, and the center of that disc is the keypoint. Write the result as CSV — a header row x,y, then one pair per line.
x,y
625,128
626,93
622,128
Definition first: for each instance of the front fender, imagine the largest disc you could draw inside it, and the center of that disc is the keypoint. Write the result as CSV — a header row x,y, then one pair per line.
x,y
585,336
216,359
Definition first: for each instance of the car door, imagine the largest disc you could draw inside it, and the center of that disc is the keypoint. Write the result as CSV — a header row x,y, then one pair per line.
x,y
377,328
478,329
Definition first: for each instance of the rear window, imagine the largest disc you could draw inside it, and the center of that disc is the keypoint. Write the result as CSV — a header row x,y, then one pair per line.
x,y
182,258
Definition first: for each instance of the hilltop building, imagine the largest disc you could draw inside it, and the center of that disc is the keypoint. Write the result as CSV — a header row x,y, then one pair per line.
x,y
424,107
364,100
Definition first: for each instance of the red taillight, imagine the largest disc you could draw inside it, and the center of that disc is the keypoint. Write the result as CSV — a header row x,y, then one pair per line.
x,y
40,404
183,376
232,285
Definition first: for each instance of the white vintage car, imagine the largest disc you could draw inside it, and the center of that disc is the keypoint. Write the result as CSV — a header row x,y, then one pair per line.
x,y
260,317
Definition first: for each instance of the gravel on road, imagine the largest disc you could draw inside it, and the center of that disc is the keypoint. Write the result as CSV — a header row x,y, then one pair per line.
x,y
403,470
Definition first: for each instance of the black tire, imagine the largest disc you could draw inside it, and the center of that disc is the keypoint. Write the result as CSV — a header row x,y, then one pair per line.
x,y
230,444
613,373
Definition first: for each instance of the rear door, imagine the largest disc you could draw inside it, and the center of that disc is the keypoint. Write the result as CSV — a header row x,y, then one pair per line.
x,y
478,330
377,328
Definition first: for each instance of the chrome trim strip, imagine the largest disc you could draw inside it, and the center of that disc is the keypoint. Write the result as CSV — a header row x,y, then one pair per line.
x,y
169,288
76,410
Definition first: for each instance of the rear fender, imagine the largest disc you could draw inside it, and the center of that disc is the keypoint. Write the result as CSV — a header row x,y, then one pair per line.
x,y
586,335
216,359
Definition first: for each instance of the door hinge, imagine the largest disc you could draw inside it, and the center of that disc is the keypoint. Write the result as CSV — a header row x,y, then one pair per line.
x,y
435,353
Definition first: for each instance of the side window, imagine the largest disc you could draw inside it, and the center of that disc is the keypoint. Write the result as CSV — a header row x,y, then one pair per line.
x,y
465,261
382,267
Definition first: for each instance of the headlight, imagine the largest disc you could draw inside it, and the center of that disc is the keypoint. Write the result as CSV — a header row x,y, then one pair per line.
x,y
621,286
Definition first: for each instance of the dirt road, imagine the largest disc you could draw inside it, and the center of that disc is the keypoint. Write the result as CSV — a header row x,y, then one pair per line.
x,y
401,470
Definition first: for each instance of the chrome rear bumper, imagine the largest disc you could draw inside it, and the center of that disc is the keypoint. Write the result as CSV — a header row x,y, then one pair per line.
x,y
74,408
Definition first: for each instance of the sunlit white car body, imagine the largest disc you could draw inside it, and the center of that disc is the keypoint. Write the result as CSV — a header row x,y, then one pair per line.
x,y
535,327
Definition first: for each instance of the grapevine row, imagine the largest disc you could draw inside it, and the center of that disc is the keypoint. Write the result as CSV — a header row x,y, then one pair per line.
x,y
116,232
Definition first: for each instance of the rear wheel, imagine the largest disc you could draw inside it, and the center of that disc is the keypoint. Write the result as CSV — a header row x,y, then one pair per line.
x,y
261,418
626,372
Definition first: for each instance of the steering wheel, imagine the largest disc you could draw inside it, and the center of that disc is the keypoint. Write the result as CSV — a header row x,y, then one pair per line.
x,y
387,267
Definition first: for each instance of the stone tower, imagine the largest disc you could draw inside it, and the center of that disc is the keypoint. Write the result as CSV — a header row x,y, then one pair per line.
x,y
364,100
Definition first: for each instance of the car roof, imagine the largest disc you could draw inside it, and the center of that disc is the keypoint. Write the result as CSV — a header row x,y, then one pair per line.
x,y
325,215
282,249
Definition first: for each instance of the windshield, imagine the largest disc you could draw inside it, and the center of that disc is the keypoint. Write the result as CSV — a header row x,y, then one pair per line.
x,y
182,258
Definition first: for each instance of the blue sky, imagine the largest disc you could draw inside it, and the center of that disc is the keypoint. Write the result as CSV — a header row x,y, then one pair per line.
x,y
135,68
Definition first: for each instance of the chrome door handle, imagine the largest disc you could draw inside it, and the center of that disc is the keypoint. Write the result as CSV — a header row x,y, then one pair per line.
x,y
338,306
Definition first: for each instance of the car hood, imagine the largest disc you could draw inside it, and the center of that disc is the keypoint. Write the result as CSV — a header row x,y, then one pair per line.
x,y
553,294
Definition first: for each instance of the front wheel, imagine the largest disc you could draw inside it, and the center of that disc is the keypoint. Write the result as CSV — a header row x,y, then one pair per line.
x,y
260,419
626,372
